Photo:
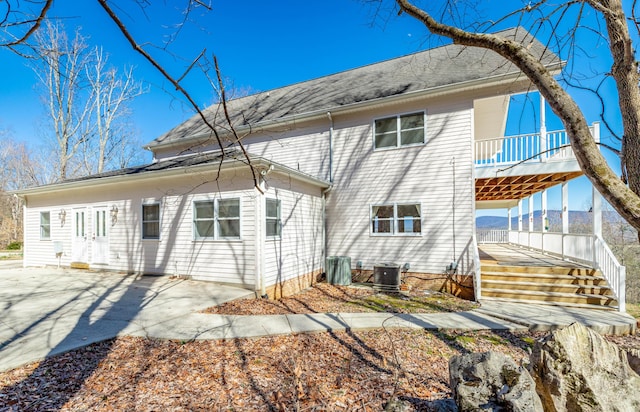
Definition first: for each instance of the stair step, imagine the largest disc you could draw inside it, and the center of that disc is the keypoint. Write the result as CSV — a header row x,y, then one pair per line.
x,y
550,303
550,270
557,297
546,287
545,278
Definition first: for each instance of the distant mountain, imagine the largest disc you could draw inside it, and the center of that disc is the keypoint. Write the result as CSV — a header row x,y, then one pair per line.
x,y
576,217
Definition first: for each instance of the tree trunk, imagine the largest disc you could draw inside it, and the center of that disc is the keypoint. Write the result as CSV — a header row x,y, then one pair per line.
x,y
624,199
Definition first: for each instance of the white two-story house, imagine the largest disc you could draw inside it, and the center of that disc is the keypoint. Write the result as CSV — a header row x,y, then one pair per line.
x,y
377,164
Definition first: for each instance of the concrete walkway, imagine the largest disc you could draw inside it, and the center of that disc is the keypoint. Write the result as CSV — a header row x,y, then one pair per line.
x,y
49,311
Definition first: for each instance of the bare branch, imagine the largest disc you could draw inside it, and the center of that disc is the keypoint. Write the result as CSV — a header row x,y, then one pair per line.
x,y
625,200
35,25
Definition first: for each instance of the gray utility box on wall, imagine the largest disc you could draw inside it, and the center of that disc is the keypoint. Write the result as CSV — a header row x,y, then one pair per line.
x,y
386,277
338,269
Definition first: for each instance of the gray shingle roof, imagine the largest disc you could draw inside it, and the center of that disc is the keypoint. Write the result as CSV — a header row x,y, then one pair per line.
x,y
232,158
446,65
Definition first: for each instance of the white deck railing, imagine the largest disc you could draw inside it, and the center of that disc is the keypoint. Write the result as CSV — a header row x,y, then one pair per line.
x,y
525,147
589,250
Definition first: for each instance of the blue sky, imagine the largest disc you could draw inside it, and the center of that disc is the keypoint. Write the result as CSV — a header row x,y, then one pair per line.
x,y
260,46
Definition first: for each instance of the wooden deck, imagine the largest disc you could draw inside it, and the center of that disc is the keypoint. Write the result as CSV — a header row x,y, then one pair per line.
x,y
511,255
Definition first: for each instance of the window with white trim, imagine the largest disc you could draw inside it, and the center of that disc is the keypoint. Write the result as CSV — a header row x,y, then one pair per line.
x,y
398,131
216,219
228,218
272,214
151,221
45,225
396,219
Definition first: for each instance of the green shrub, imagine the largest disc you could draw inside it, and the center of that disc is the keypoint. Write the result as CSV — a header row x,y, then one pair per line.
x,y
14,246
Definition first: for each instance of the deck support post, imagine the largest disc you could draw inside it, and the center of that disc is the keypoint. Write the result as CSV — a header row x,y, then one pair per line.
x,y
509,219
565,213
519,215
530,214
545,217
543,128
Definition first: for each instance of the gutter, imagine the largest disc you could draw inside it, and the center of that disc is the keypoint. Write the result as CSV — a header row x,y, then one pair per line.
x,y
475,84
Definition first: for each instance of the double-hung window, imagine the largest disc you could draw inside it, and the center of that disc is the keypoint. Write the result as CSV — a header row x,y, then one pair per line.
x,y
272,214
204,219
228,218
396,219
216,219
398,131
151,221
45,225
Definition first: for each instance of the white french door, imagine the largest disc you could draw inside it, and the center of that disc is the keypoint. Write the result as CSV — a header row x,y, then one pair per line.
x,y
100,245
79,238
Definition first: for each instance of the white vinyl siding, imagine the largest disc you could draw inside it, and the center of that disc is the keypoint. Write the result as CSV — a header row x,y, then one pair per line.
x,y
298,250
398,131
420,174
45,225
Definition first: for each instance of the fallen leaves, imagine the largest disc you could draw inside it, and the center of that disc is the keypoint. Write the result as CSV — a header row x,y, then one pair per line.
x,y
335,371
326,298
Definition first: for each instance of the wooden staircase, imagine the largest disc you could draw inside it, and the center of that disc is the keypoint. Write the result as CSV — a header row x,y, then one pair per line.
x,y
549,285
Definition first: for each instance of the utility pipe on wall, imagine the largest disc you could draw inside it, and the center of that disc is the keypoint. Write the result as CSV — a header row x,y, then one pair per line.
x,y
330,147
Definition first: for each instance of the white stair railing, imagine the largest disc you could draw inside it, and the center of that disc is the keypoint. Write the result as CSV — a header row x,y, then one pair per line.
x,y
612,270
586,249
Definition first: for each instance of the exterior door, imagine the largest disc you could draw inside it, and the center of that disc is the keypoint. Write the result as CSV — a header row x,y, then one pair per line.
x,y
100,246
79,242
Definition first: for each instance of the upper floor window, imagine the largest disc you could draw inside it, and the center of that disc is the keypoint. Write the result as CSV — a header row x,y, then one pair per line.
x,y
151,221
396,219
215,219
272,213
397,131
45,225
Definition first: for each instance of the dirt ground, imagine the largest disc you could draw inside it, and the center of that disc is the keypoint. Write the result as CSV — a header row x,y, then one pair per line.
x,y
333,371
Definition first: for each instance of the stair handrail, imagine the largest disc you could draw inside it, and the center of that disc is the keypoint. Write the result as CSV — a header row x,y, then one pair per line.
x,y
612,270
477,281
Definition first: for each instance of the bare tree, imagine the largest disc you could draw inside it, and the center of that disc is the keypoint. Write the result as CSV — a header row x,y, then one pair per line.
x,y
87,103
19,170
111,93
60,67
621,192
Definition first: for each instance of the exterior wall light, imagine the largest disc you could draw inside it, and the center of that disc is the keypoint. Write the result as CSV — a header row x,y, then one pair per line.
x,y
62,215
114,215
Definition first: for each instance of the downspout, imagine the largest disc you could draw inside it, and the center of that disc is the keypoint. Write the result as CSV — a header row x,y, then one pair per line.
x,y
325,192
330,147
260,239
324,226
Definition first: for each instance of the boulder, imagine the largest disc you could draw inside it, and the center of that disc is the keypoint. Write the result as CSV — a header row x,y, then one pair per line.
x,y
491,381
575,370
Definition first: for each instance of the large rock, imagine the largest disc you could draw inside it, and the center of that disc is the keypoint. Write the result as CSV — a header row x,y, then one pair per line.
x,y
577,370
491,381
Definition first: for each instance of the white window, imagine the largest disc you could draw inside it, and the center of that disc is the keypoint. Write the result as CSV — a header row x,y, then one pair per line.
x,y
228,218
272,213
216,219
396,219
398,131
204,219
45,225
151,221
